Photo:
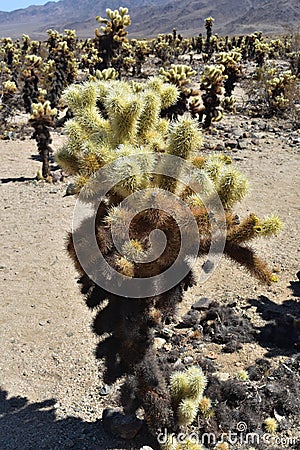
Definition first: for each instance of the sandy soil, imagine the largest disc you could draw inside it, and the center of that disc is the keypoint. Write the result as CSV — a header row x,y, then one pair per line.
x,y
50,380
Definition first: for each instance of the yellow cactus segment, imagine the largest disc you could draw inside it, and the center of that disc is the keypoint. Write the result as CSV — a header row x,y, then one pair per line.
x,y
169,93
204,405
232,187
222,446
40,110
242,375
178,386
107,74
125,267
133,250
89,163
149,114
271,424
187,411
269,226
9,87
199,161
194,200
80,181
185,137
197,382
116,215
178,74
66,159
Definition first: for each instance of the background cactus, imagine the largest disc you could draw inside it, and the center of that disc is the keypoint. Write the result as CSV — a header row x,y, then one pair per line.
x,y
212,83
233,72
41,119
109,44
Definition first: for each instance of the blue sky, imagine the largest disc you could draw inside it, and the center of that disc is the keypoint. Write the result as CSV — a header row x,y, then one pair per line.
x,y
10,5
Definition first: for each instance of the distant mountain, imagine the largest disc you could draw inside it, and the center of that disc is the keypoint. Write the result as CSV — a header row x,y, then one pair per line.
x,y
151,17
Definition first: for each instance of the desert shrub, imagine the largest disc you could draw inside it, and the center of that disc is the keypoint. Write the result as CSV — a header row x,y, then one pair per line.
x,y
273,92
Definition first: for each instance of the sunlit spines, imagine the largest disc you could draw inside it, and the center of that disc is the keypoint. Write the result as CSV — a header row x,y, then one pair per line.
x,y
232,187
184,138
187,411
149,114
269,226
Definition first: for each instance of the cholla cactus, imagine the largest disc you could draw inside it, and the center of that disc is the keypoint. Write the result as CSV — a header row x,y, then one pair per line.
x,y
168,47
186,391
279,88
261,52
233,71
106,74
130,123
208,25
9,87
41,119
212,83
180,75
30,76
276,92
141,49
8,102
61,68
109,44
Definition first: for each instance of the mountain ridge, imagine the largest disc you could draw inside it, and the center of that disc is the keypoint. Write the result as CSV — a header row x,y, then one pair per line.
x,y
152,17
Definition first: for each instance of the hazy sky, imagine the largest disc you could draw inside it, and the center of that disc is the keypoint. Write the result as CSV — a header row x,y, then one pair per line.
x,y
10,5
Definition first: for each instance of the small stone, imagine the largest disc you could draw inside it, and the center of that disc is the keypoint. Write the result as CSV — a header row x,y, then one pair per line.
x,y
231,144
42,323
71,189
220,147
178,364
242,145
237,133
167,332
70,334
118,424
223,376
159,343
274,389
189,320
201,304
188,360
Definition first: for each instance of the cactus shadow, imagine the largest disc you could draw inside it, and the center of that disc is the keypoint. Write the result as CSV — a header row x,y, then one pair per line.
x,y
16,180
34,425
281,334
295,286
